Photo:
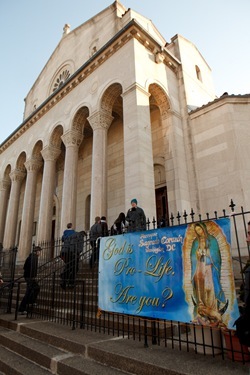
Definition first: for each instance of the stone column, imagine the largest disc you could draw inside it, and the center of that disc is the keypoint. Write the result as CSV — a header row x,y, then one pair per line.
x,y
100,122
16,177
175,163
72,140
138,154
50,155
4,195
32,166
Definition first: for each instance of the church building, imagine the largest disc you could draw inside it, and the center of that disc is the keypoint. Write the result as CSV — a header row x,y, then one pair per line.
x,y
118,113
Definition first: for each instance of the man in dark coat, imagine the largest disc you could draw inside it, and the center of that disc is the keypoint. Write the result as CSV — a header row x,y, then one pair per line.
x,y
96,231
243,322
136,218
247,276
30,272
71,250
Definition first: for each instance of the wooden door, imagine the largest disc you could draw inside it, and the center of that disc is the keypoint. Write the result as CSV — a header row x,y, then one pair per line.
x,y
162,206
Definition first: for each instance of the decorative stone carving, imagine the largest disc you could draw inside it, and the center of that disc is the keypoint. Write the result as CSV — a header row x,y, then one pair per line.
x,y
159,57
20,162
66,29
110,97
17,175
72,138
159,98
61,79
50,153
33,165
100,120
80,119
55,139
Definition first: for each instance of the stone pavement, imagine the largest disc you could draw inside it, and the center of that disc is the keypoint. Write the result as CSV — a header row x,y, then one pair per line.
x,y
64,351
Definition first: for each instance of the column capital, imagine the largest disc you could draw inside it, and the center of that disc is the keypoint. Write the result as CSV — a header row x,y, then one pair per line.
x,y
100,120
33,165
17,175
50,153
5,184
72,138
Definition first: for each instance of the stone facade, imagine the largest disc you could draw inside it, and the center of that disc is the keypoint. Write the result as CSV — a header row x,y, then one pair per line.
x,y
118,113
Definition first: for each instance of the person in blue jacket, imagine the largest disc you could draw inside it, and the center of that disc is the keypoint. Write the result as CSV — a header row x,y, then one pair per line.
x,y
68,232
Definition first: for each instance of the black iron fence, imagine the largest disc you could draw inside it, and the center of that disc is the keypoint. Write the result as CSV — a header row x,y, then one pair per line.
x,y
73,300
8,264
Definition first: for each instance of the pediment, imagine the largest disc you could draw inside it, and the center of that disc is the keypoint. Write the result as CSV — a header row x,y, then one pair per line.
x,y
74,49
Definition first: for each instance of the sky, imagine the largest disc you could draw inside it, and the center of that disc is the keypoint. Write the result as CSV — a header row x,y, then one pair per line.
x,y
31,30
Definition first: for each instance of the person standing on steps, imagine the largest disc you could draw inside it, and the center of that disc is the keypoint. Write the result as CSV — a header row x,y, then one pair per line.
x,y
99,229
70,254
30,273
95,232
136,218
247,277
243,322
68,232
119,225
104,225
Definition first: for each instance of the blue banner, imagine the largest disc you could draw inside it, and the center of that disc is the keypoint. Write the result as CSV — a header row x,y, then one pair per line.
x,y
182,273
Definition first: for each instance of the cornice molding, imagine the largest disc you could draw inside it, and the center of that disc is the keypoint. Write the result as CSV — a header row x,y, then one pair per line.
x,y
219,102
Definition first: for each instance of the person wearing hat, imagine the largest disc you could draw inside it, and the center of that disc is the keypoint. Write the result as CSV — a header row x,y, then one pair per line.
x,y
136,218
30,273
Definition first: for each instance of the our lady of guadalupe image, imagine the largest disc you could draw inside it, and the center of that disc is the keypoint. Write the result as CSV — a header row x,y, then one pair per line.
x,y
208,279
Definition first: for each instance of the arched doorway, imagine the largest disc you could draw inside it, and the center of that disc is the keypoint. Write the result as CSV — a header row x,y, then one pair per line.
x,y
162,213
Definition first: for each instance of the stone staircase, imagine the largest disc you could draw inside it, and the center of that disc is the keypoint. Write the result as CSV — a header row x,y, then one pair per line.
x,y
37,344
31,346
42,348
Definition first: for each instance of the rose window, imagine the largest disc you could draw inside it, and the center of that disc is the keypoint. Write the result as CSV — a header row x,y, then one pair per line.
x,y
61,79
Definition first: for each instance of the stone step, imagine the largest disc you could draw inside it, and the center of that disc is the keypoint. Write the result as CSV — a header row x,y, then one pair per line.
x,y
34,350
14,364
21,354
93,352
